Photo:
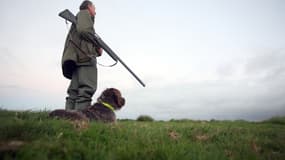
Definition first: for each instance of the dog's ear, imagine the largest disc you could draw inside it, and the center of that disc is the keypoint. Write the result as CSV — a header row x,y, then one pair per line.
x,y
105,95
118,98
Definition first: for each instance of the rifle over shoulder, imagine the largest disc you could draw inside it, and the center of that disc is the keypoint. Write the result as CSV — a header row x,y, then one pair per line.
x,y
96,39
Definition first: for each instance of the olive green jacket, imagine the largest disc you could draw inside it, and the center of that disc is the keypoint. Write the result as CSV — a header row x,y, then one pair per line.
x,y
78,44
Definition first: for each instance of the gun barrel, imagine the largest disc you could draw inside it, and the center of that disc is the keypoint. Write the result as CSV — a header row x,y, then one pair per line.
x,y
116,58
136,77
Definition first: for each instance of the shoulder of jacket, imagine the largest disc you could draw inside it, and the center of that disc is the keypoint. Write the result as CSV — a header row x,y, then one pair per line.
x,y
83,13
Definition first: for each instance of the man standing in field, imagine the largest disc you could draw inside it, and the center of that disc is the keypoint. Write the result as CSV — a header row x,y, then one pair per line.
x,y
79,59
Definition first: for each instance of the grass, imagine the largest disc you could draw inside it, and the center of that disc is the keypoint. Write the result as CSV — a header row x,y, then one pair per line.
x,y
32,135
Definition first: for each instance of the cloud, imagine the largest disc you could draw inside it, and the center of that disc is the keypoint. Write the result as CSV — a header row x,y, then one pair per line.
x,y
9,86
13,96
268,67
206,100
7,57
10,65
226,70
256,93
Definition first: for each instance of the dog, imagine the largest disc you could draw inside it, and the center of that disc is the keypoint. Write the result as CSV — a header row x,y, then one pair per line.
x,y
103,110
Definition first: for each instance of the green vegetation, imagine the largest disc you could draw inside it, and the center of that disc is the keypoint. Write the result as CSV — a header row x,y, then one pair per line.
x,y
145,118
32,135
276,120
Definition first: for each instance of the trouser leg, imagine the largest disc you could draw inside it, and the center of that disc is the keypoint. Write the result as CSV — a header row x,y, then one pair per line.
x,y
72,92
87,85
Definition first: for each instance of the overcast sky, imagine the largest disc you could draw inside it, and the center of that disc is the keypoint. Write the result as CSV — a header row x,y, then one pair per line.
x,y
205,59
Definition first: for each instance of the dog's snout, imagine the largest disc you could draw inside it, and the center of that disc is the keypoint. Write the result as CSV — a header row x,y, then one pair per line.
x,y
123,101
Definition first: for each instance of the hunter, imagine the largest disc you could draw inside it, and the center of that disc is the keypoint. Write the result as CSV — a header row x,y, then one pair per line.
x,y
79,59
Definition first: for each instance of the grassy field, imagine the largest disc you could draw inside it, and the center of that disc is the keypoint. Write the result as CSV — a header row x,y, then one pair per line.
x,y
32,135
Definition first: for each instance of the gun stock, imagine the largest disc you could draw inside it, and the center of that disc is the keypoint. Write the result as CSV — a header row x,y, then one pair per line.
x,y
69,16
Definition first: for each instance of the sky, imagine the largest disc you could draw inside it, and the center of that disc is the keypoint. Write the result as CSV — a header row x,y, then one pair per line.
x,y
205,59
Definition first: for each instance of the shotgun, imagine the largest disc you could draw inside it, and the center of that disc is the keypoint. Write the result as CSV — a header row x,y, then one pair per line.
x,y
69,16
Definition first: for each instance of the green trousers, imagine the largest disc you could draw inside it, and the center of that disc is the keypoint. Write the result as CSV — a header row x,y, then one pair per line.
x,y
82,87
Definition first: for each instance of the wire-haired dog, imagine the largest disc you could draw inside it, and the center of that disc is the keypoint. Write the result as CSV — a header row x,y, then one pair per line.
x,y
103,110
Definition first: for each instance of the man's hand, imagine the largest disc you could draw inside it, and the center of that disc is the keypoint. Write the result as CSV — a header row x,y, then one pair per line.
x,y
99,51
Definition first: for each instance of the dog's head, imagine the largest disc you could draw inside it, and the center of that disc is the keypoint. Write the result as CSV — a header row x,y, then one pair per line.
x,y
112,96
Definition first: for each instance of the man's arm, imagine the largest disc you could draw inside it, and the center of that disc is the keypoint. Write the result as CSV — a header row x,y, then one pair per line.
x,y
85,26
